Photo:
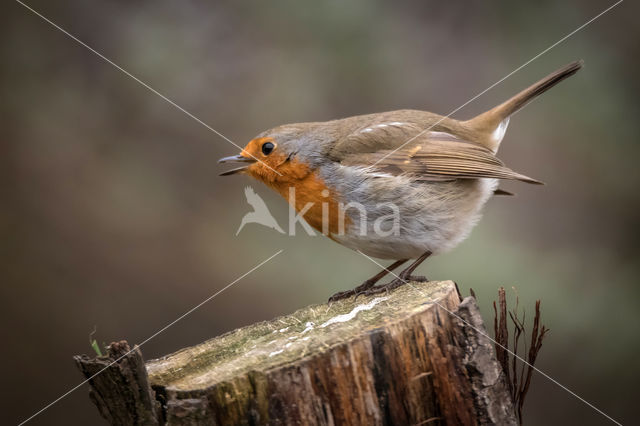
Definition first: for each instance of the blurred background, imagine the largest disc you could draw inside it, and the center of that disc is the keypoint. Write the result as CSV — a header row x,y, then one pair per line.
x,y
113,215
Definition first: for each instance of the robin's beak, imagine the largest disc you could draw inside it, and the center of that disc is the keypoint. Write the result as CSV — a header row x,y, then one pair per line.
x,y
236,159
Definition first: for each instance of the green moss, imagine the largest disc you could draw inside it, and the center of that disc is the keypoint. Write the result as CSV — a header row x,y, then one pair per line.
x,y
264,345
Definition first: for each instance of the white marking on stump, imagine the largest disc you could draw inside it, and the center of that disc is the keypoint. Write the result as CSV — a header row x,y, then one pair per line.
x,y
309,326
351,315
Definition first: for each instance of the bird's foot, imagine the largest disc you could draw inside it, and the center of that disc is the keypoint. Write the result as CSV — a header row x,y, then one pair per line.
x,y
393,284
341,295
354,292
384,288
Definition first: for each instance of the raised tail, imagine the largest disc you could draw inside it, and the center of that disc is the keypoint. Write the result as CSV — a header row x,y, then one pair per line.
x,y
494,122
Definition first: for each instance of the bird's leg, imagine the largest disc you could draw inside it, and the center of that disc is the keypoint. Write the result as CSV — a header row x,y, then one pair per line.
x,y
406,274
401,279
366,285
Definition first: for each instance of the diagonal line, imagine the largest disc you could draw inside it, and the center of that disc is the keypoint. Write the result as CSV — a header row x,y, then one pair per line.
x,y
495,342
152,336
142,83
501,80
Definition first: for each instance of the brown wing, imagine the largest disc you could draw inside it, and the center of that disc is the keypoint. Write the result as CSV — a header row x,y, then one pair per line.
x,y
436,156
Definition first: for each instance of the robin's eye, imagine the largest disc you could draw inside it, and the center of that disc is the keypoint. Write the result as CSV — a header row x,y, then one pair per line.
x,y
267,147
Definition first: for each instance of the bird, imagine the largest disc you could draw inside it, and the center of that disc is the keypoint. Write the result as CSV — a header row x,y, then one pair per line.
x,y
260,213
395,185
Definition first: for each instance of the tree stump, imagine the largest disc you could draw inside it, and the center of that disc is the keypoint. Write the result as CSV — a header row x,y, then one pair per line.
x,y
414,356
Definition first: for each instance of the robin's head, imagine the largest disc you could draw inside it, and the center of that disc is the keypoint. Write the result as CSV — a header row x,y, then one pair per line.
x,y
279,154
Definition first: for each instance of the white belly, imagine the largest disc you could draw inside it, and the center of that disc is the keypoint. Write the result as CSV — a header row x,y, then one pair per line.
x,y
431,216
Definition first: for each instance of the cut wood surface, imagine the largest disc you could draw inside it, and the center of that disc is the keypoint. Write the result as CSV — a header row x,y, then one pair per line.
x,y
414,356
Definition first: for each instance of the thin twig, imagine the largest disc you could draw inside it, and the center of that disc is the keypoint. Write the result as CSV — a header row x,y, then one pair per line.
x,y
518,378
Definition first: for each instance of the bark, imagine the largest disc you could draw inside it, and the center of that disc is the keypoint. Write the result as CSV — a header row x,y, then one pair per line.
x,y
417,356
120,387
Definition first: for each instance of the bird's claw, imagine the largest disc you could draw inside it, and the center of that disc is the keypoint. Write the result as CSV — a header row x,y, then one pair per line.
x,y
367,288
393,284
354,292
341,295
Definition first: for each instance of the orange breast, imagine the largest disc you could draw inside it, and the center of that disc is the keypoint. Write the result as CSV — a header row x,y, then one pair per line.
x,y
304,189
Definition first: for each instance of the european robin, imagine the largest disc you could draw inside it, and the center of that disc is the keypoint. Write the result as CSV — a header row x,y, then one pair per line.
x,y
395,185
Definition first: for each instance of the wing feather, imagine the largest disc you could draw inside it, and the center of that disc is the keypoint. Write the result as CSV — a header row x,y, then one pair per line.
x,y
436,156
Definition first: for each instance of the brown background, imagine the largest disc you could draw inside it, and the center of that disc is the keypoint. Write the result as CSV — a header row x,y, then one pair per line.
x,y
112,213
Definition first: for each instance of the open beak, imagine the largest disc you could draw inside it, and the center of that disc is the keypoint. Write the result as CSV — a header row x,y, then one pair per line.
x,y
235,159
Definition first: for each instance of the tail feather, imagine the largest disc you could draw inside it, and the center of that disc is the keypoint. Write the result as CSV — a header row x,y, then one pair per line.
x,y
497,118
